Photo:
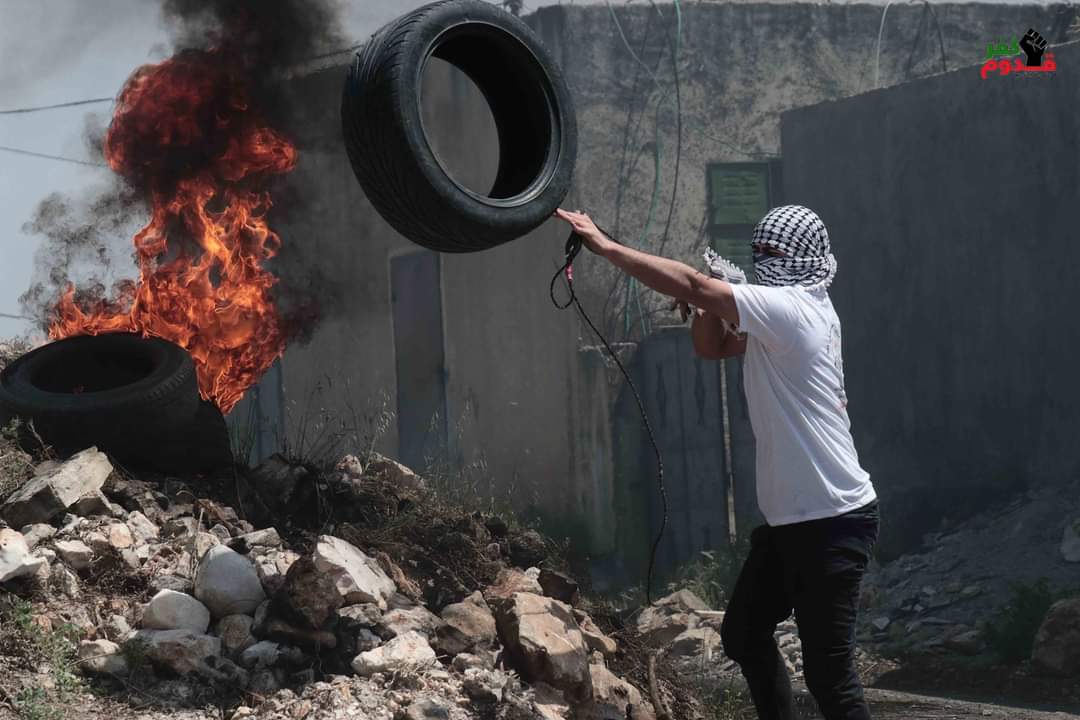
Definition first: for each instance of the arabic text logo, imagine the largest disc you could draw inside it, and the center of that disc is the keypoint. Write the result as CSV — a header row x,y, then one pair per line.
x,y
1000,56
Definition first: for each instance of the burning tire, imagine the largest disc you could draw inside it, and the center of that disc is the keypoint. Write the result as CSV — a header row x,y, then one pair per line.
x,y
128,395
389,151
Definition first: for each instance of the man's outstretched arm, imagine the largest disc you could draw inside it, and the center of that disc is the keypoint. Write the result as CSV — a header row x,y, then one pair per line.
x,y
677,280
670,277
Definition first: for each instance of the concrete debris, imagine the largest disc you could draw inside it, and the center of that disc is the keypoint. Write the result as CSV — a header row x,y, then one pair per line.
x,y
466,625
74,553
58,488
231,605
595,639
36,533
405,652
15,558
401,621
358,578
544,642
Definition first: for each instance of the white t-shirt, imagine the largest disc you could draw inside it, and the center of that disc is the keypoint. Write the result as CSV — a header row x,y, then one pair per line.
x,y
807,467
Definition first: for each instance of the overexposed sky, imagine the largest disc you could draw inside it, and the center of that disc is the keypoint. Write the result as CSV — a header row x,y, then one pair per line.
x,y
55,51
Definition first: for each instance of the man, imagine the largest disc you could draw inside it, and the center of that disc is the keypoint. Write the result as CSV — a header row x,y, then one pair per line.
x,y
819,505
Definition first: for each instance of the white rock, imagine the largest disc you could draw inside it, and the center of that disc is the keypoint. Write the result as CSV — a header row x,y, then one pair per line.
x,y
395,472
142,530
466,625
65,581
36,533
1070,542
15,558
171,610
182,651
117,627
226,582
102,657
94,503
697,641
399,622
407,651
543,641
273,566
260,538
119,536
58,488
357,577
74,553
204,541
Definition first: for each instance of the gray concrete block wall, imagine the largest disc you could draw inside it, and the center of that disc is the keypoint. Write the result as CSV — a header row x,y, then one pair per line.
x,y
951,204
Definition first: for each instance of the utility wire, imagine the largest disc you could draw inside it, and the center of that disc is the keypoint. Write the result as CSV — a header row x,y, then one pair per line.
x,y
30,153
39,108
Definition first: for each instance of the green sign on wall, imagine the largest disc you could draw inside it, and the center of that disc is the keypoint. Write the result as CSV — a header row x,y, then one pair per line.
x,y
739,194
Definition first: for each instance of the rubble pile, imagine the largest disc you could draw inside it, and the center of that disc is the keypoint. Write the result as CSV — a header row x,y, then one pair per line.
x,y
941,600
174,591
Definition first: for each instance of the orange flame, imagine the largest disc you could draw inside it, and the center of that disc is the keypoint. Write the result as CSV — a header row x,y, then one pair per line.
x,y
183,131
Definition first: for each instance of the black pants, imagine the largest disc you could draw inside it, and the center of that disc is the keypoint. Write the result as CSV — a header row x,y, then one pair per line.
x,y
814,568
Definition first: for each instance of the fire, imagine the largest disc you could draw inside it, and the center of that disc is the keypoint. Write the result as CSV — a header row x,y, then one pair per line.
x,y
185,132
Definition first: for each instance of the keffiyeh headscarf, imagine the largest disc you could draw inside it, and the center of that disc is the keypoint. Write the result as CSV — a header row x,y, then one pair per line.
x,y
800,234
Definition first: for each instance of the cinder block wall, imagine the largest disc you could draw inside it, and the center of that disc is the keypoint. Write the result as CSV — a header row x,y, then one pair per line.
x,y
951,205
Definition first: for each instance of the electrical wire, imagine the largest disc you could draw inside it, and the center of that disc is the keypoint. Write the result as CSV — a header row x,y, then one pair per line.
x,y
39,108
877,60
678,122
881,29
30,153
573,247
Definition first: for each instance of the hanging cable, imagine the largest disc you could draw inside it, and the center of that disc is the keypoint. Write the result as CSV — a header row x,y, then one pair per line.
x,y
572,248
877,60
678,121
39,108
18,151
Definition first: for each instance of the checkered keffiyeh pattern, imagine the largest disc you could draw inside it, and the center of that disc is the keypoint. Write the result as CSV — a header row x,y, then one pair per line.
x,y
800,234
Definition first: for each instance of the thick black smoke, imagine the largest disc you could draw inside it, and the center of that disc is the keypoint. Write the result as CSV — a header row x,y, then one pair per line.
x,y
268,34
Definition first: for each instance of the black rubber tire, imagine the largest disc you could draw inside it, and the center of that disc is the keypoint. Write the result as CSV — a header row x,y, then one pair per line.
x,y
121,392
389,151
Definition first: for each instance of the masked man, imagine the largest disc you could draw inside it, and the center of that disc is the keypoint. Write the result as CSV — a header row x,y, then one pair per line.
x,y
819,505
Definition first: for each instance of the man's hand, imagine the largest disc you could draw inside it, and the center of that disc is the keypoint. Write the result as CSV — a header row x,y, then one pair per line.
x,y
584,227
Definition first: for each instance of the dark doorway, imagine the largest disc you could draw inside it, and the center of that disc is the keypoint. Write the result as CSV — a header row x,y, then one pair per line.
x,y
416,301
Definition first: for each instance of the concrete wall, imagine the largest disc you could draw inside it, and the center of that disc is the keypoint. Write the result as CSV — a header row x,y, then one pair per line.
x,y
950,202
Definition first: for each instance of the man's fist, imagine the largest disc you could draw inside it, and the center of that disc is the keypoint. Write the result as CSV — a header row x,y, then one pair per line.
x,y
1034,45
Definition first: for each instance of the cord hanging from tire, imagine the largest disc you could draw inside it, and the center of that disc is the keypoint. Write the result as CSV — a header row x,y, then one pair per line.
x,y
573,247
